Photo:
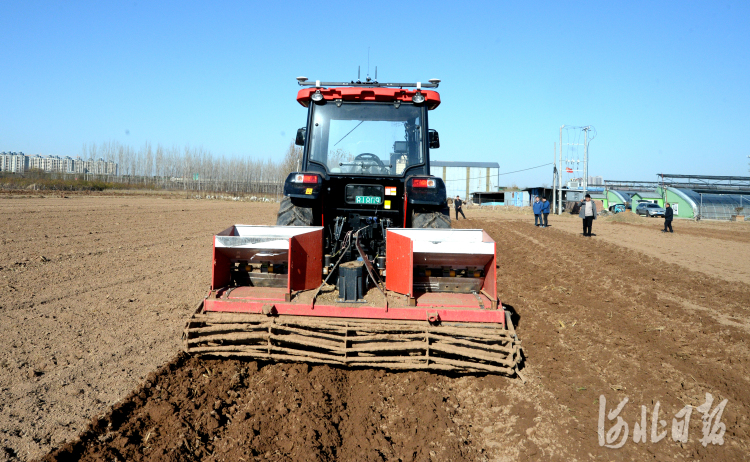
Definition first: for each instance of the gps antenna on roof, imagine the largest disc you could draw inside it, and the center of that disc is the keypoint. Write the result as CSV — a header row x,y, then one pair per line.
x,y
304,82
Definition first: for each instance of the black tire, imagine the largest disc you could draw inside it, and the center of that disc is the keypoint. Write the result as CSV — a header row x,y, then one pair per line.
x,y
293,215
433,219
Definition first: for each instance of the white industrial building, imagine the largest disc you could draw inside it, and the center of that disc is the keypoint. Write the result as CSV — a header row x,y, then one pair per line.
x,y
465,178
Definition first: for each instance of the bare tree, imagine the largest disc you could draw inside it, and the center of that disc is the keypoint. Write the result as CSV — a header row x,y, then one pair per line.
x,y
197,168
159,165
148,161
292,161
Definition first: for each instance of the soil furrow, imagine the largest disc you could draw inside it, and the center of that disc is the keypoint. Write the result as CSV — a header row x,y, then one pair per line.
x,y
630,313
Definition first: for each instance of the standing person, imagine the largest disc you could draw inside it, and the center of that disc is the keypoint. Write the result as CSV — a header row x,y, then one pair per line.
x,y
545,211
457,203
588,213
537,211
668,214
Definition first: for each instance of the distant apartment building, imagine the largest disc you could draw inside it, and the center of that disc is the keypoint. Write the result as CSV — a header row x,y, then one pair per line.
x,y
12,162
576,183
18,162
66,164
36,162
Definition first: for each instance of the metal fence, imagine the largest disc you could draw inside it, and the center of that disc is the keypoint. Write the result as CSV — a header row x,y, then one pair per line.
x,y
55,181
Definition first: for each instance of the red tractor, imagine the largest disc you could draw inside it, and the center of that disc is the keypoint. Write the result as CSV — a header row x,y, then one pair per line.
x,y
362,267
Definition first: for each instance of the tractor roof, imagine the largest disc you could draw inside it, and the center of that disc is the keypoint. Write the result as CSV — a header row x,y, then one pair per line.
x,y
366,93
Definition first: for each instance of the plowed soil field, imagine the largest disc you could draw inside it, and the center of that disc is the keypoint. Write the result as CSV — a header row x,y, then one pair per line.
x,y
94,292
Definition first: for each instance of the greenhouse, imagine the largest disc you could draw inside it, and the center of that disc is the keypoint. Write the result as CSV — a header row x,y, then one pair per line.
x,y
710,206
616,197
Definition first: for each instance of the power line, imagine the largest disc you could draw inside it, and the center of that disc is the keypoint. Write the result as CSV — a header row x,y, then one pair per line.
x,y
500,174
530,168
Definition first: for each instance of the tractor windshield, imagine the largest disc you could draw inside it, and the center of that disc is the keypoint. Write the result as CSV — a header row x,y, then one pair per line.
x,y
367,138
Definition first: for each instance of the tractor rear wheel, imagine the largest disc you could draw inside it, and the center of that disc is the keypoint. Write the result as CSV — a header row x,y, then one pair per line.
x,y
431,219
293,215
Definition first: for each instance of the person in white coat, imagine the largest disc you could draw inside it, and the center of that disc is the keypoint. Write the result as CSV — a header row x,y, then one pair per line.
x,y
588,214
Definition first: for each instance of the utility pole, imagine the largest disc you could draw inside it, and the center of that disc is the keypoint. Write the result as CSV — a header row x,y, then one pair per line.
x,y
554,179
559,176
586,158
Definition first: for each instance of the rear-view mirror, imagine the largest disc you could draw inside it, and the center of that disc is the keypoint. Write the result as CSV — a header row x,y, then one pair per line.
x,y
434,139
300,141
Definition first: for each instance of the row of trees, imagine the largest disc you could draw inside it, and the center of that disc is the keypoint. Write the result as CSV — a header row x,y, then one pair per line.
x,y
194,168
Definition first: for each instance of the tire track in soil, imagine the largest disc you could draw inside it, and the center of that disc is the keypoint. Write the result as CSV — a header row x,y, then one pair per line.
x,y
740,234
640,333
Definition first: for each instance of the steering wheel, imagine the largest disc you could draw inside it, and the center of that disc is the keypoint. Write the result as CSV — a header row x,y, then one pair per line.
x,y
372,157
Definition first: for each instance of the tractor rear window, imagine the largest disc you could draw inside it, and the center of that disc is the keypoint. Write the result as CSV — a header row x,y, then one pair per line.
x,y
367,138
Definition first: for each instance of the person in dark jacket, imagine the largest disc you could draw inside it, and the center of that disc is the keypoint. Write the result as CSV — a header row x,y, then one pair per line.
x,y
537,211
588,213
668,214
545,211
457,203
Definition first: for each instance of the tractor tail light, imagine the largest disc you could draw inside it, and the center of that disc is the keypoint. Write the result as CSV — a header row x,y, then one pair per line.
x,y
423,183
302,178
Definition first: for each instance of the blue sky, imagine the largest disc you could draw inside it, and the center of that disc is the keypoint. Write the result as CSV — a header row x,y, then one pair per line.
x,y
665,84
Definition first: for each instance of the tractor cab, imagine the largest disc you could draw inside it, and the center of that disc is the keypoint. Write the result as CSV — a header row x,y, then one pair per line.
x,y
365,164
367,131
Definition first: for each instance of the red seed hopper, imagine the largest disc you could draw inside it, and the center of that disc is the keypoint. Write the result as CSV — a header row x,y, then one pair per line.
x,y
430,303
